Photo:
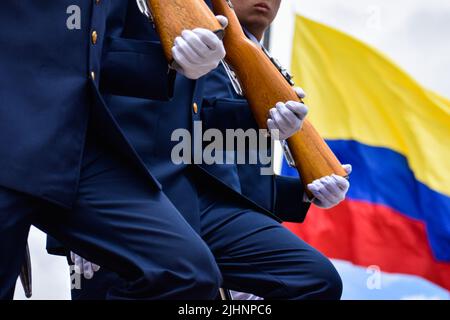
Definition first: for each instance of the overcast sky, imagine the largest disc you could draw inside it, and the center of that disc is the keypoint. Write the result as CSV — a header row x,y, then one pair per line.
x,y
414,33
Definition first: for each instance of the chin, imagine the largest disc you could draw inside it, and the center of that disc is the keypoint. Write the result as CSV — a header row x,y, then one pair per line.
x,y
262,22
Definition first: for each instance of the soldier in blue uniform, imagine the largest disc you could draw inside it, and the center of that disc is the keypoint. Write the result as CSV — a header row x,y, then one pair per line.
x,y
232,207
68,169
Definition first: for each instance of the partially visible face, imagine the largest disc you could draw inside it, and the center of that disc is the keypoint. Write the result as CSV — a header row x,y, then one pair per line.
x,y
256,13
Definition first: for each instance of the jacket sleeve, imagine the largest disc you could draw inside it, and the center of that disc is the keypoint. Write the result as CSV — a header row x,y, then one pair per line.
x,y
289,205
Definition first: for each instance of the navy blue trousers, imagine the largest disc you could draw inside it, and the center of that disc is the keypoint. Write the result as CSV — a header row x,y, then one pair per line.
x,y
118,221
255,254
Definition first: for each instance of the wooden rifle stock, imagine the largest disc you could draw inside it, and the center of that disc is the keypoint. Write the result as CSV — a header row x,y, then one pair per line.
x,y
171,17
263,85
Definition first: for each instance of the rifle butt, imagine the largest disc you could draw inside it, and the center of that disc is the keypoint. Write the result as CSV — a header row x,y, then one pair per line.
x,y
313,157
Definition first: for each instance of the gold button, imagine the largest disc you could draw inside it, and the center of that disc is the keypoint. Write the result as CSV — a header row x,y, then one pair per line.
x,y
94,37
195,108
93,75
97,1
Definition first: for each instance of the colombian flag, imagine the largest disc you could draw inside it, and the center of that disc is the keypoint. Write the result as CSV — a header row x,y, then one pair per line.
x,y
396,135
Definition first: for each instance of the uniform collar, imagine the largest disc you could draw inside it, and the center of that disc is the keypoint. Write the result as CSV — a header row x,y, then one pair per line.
x,y
251,37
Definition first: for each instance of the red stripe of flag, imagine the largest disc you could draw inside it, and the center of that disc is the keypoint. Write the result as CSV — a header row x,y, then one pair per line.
x,y
367,234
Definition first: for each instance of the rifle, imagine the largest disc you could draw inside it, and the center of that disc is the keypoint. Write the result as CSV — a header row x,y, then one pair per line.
x,y
171,17
264,83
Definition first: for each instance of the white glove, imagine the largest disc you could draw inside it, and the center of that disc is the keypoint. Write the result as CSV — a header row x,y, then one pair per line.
x,y
330,191
83,266
288,118
199,51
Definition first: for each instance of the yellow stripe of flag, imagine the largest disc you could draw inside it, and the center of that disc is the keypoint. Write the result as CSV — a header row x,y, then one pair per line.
x,y
354,92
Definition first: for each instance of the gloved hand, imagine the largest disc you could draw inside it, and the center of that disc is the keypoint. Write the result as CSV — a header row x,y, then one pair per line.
x,y
83,266
330,191
198,51
288,118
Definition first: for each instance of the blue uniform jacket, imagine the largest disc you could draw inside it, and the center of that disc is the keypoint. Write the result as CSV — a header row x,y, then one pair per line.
x,y
50,65
149,124
223,109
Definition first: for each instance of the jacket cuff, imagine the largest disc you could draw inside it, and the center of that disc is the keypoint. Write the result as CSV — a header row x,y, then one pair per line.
x,y
289,205
135,68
